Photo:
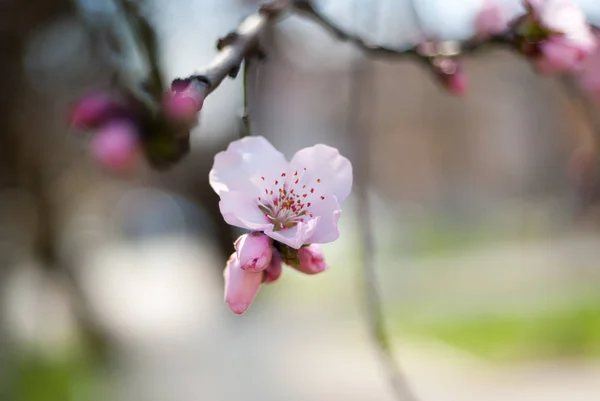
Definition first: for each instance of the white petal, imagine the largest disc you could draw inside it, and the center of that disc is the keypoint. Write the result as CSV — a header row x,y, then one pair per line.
x,y
240,209
240,167
328,213
294,237
323,163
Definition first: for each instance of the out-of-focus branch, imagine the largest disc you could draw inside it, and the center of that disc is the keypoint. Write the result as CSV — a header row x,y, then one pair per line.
x,y
360,117
360,87
578,95
584,167
45,249
306,8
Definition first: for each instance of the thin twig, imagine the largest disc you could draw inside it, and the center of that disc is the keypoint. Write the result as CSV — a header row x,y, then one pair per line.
x,y
374,309
362,100
306,8
246,127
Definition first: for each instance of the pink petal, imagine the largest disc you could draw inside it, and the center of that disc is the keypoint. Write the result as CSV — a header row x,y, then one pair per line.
x,y
274,270
241,210
241,286
296,236
328,211
491,19
116,146
311,260
324,163
561,55
241,166
254,251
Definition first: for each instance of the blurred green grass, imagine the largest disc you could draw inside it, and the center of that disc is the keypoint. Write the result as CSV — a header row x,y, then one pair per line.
x,y
572,331
71,376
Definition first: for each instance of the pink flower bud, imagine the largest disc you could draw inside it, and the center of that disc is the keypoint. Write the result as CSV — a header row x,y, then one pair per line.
x,y
458,83
452,75
116,145
241,286
558,55
94,110
567,39
184,100
311,260
274,270
490,20
254,251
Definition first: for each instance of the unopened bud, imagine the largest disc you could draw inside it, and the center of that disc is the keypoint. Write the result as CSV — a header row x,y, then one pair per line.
x,y
94,110
311,260
254,251
452,75
116,145
185,100
241,286
274,270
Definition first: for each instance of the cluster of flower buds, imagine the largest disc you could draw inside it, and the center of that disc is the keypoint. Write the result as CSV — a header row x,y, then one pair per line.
x,y
259,259
288,207
556,35
123,127
115,144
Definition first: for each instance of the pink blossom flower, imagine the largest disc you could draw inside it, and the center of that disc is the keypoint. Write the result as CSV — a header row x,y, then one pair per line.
x,y
94,110
274,270
116,145
184,100
311,260
254,251
570,40
491,19
295,203
241,286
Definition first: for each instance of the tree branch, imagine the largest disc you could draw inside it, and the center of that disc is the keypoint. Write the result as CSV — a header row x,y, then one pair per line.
x,y
360,118
239,45
306,8
361,91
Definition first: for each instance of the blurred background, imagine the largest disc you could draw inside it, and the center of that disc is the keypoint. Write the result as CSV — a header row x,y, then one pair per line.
x,y
486,246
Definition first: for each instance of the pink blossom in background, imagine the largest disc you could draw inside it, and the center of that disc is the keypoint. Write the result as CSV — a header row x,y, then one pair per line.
x,y
254,251
241,286
94,110
589,78
185,100
295,203
311,260
451,75
458,83
491,19
274,270
115,146
570,40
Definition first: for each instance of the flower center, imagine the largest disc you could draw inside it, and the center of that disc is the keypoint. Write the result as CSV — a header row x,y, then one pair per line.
x,y
288,200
